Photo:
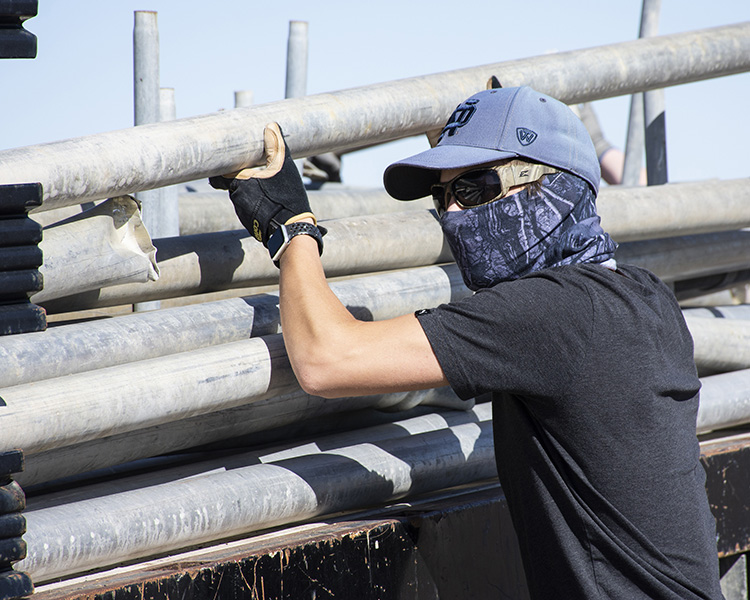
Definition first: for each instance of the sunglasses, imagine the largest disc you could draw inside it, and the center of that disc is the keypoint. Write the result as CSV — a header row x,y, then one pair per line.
x,y
482,186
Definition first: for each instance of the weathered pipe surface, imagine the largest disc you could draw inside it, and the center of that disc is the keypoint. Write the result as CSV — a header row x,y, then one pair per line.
x,y
725,401
150,156
67,410
107,245
208,212
674,209
689,256
359,432
288,415
739,311
85,535
80,347
720,344
686,289
628,214
218,261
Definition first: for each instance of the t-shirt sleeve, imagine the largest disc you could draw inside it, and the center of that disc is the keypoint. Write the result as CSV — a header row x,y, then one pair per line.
x,y
528,336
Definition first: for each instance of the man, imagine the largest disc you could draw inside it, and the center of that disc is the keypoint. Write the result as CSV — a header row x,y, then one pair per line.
x,y
589,363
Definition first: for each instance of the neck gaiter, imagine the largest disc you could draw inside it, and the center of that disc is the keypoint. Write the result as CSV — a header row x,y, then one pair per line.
x,y
543,226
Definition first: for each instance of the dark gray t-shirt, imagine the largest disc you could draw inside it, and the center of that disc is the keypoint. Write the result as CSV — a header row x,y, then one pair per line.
x,y
595,397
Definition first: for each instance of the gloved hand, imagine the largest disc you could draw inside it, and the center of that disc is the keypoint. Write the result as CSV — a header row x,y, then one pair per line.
x,y
267,197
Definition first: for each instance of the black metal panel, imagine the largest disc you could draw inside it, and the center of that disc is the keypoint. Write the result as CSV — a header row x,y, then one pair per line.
x,y
727,466
18,286
19,231
18,199
21,257
11,461
12,498
22,317
12,525
358,561
15,41
15,585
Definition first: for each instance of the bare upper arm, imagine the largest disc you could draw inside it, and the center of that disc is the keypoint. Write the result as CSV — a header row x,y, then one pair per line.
x,y
373,357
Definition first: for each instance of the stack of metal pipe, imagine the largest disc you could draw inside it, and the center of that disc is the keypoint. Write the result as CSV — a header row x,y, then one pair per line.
x,y
184,379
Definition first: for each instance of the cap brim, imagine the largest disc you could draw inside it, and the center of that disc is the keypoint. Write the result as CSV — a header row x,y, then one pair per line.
x,y
412,177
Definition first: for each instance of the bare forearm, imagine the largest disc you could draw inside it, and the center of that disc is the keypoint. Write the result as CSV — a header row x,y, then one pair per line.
x,y
331,352
312,317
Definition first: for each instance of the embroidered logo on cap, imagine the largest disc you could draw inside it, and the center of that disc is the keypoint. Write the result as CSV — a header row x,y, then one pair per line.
x,y
459,118
525,136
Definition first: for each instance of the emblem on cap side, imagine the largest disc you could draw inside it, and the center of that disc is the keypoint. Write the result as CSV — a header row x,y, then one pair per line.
x,y
525,136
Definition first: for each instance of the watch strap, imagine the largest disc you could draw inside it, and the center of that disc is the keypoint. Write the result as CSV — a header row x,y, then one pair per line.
x,y
287,232
306,229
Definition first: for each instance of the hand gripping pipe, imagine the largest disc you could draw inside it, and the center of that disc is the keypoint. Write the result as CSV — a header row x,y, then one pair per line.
x,y
159,154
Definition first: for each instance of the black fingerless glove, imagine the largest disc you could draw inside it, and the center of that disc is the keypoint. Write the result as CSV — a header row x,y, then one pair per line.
x,y
266,198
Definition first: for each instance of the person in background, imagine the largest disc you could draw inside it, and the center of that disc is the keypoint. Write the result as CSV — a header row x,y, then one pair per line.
x,y
611,159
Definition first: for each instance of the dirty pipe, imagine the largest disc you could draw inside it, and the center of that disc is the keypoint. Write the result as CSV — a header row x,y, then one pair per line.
x,y
141,158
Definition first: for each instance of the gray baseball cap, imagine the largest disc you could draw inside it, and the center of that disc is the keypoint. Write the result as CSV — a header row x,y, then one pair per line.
x,y
494,125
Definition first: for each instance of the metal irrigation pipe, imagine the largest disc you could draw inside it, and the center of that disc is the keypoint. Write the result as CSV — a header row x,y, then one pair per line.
x,y
279,417
674,209
87,346
628,214
67,410
725,401
720,344
150,156
64,540
106,245
203,263
209,212
209,262
689,256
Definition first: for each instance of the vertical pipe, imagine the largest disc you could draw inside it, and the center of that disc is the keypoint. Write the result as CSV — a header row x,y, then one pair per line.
x,y
243,98
638,122
169,203
146,67
296,65
147,110
634,143
653,107
296,60
656,137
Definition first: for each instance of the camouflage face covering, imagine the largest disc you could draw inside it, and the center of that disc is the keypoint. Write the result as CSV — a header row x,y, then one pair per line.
x,y
527,232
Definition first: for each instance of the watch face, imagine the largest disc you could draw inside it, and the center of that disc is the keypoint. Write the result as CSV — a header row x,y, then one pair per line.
x,y
278,242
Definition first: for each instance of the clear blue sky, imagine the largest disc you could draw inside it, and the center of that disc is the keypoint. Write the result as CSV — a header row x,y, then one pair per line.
x,y
81,81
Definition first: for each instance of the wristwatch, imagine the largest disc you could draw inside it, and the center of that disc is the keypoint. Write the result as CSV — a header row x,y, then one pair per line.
x,y
279,240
